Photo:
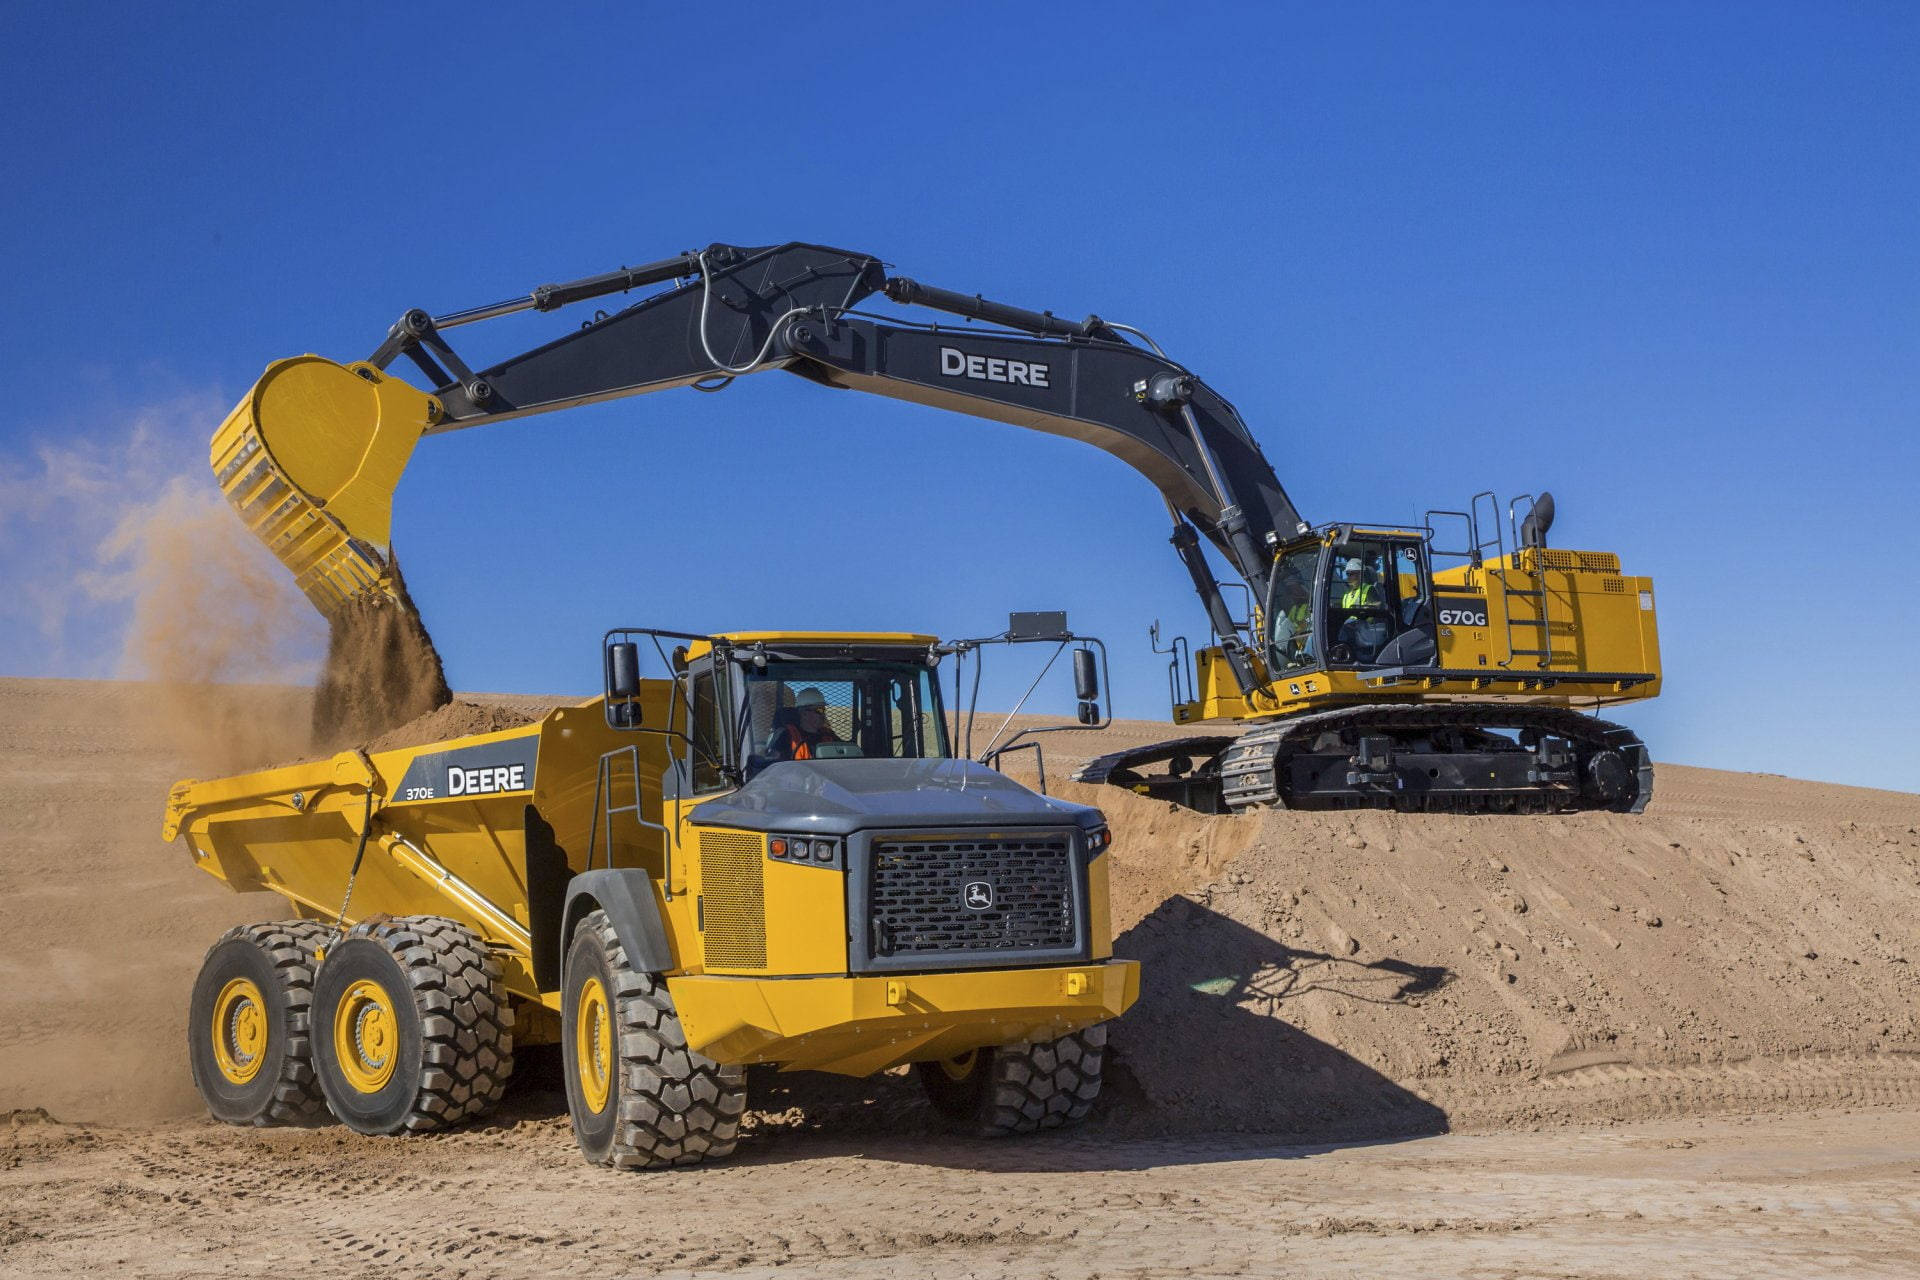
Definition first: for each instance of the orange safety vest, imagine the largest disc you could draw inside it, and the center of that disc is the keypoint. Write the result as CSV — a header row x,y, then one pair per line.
x,y
802,749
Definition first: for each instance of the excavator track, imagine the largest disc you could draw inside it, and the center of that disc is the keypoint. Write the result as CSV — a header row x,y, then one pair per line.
x,y
1439,758
1411,757
1191,776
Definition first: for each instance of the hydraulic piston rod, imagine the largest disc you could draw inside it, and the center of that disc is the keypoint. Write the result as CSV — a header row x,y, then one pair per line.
x,y
912,292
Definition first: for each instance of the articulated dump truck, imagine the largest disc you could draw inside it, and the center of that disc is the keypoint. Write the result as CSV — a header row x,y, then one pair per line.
x,y
770,855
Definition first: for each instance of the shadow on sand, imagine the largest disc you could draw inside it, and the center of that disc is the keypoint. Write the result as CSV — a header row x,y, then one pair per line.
x,y
1205,1068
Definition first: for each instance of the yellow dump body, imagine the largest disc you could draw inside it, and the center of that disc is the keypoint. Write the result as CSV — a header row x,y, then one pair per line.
x,y
489,830
445,826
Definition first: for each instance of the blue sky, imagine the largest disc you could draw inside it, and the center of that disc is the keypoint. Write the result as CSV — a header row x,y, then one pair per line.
x,y
1661,259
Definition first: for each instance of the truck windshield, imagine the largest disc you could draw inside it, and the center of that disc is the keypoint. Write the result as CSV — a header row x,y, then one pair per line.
x,y
838,711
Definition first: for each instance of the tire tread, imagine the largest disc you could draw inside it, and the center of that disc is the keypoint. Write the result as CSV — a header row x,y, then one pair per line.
x,y
290,946
466,1025
677,1107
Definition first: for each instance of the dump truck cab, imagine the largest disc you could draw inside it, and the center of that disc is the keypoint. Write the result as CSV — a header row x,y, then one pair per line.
x,y
839,890
763,698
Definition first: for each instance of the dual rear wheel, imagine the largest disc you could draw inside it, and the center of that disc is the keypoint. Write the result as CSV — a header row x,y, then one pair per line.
x,y
399,1025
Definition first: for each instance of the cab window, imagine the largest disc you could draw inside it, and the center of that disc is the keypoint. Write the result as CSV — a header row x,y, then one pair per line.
x,y
709,734
1290,610
837,711
1410,586
1364,587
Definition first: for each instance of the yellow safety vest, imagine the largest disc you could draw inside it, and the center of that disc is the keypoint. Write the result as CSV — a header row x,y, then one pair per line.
x,y
1360,597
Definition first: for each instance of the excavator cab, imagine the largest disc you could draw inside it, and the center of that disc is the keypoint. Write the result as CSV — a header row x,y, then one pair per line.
x,y
1350,599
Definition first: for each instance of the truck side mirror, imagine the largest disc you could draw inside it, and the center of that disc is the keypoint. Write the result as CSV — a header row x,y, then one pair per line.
x,y
623,670
1086,676
1089,711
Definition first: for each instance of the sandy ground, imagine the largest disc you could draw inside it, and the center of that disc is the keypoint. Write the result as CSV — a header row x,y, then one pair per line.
x,y
1582,1046
1792,1196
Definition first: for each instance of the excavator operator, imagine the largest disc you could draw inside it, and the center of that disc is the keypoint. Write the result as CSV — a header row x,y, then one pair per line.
x,y
1365,630
1361,593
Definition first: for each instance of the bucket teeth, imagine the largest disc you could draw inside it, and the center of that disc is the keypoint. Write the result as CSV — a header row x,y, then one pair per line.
x,y
351,431
328,564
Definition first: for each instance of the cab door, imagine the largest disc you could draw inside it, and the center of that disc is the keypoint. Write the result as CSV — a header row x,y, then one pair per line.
x,y
1377,593
1410,580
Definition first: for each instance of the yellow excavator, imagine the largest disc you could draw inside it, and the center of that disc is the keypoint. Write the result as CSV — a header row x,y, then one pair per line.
x,y
1450,665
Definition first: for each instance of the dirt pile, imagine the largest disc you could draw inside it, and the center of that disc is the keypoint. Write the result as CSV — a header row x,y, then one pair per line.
x,y
381,670
102,926
457,719
1382,973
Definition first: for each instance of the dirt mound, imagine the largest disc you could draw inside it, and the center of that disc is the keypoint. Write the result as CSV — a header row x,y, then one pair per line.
x,y
1318,975
456,720
1386,973
381,669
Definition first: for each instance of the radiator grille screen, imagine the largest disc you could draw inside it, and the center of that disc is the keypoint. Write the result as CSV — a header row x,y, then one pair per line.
x,y
972,895
733,898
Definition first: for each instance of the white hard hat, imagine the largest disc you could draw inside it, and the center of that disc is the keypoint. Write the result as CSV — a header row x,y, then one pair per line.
x,y
1354,566
809,698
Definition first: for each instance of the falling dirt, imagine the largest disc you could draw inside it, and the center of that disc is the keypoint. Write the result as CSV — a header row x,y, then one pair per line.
x,y
381,669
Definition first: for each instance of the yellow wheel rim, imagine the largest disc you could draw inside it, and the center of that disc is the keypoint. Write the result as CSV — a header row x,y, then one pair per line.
x,y
366,1036
959,1068
239,1030
593,1044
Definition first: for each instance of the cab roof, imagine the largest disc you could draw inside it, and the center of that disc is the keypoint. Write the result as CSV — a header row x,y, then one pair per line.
x,y
824,639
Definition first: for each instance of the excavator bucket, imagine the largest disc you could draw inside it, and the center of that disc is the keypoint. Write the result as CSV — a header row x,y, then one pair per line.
x,y
310,459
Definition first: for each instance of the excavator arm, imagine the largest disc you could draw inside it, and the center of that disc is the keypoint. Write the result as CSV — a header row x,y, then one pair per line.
x,y
311,457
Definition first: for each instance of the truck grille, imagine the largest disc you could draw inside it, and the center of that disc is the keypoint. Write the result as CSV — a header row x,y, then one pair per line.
x,y
922,888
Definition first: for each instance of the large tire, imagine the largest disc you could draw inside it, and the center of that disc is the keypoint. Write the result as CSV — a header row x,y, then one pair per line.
x,y
247,1024
639,1098
412,1028
1019,1088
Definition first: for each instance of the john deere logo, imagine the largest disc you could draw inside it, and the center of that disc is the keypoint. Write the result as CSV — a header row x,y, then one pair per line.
x,y
978,895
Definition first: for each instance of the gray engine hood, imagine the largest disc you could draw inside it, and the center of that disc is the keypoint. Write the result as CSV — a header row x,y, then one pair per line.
x,y
838,797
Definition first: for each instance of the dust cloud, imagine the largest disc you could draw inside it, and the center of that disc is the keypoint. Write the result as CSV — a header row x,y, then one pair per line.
x,y
214,618
122,559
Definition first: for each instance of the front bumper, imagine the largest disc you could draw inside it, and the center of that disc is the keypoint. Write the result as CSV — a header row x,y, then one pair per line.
x,y
859,1025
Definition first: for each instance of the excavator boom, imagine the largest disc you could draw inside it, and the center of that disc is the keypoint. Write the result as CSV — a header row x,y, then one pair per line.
x,y
312,455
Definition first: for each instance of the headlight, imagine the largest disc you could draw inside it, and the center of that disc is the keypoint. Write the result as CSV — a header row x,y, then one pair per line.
x,y
820,852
